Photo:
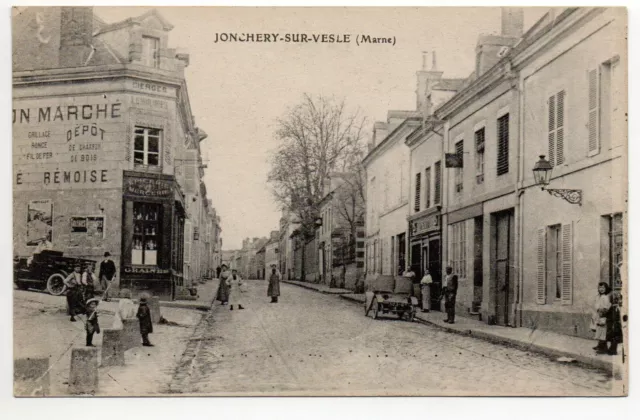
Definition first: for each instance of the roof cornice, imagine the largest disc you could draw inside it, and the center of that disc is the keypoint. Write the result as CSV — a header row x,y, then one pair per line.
x,y
410,122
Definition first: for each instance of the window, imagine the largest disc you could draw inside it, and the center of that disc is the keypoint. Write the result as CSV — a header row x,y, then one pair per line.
x,y
458,173
427,187
503,145
402,250
438,180
146,149
459,249
87,226
593,118
150,51
555,264
416,205
615,250
146,234
479,137
556,128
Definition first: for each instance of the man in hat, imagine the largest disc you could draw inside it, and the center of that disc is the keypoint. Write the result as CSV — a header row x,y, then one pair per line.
x,y
107,273
146,326
449,292
92,326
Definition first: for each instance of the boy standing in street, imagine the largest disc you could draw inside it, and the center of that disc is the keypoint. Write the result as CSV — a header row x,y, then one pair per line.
x,y
92,321
144,316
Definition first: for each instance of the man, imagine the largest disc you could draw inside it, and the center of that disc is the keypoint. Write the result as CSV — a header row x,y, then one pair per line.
x,y
449,292
107,273
273,290
425,288
75,301
218,270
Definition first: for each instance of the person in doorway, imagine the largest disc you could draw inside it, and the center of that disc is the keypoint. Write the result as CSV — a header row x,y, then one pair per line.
x,y
614,323
415,286
234,281
146,326
425,289
75,303
107,273
223,288
449,292
599,317
92,326
273,290
88,283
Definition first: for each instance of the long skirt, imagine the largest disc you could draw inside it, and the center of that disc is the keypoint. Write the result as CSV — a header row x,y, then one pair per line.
x,y
223,291
426,297
274,288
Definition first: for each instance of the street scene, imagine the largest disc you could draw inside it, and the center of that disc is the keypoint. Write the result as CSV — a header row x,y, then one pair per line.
x,y
399,202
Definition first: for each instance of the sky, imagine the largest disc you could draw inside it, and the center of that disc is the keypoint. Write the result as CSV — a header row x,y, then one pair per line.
x,y
238,90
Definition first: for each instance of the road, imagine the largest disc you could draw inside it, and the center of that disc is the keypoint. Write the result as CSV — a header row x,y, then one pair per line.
x,y
316,344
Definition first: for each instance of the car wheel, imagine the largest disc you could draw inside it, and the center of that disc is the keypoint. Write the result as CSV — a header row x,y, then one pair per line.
x,y
55,284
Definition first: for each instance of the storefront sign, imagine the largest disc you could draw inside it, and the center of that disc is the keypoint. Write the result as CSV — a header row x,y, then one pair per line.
x,y
148,187
145,270
425,224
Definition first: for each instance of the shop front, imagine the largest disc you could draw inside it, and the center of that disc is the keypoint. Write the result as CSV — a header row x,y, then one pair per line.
x,y
425,242
152,234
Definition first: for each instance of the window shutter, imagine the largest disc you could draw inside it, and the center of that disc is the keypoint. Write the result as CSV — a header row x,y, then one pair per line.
x,y
438,175
593,124
541,295
560,127
567,264
416,205
427,187
552,133
503,144
187,242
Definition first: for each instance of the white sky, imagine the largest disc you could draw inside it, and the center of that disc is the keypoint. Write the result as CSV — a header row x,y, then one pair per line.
x,y
237,90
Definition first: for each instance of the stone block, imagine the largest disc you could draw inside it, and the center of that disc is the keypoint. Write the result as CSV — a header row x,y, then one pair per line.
x,y
112,347
154,307
83,375
130,337
31,377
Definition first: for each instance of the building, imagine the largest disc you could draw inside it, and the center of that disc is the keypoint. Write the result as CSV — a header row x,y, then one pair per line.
x,y
342,211
101,120
271,254
285,247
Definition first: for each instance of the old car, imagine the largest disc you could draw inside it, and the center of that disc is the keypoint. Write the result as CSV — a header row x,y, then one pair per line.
x,y
390,295
46,271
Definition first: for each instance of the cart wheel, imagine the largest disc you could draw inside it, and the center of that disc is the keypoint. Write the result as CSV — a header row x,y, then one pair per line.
x,y
55,284
375,310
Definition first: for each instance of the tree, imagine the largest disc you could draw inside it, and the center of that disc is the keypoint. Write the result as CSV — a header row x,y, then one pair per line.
x,y
316,137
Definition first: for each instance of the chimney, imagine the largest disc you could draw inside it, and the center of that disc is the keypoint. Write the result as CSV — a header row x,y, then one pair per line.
x,y
491,48
512,21
380,131
425,81
76,36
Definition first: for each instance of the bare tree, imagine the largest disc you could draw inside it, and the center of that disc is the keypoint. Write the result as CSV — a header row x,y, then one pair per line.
x,y
317,137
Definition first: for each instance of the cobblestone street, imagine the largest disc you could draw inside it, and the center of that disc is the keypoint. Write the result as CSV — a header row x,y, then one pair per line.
x,y
323,345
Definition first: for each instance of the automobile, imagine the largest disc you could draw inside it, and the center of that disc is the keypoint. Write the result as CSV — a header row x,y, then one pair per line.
x,y
47,271
391,295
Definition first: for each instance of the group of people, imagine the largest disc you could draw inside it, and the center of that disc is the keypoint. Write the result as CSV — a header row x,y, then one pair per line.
x,y
448,293
232,287
606,320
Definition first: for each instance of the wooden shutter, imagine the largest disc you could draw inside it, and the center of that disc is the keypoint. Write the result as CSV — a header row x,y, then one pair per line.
x,y
187,242
427,187
552,129
593,123
503,145
438,180
560,127
416,205
541,289
567,264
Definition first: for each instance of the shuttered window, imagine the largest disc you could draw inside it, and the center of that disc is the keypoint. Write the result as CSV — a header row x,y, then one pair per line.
x,y
479,137
556,128
593,122
567,264
437,184
503,145
427,187
555,264
458,174
187,242
541,289
416,204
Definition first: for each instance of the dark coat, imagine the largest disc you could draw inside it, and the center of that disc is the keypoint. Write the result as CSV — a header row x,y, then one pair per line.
x,y
144,315
274,286
614,324
75,301
107,269
223,290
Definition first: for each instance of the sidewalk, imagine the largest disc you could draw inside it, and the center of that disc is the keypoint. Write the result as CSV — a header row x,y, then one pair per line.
x,y
206,294
319,287
549,343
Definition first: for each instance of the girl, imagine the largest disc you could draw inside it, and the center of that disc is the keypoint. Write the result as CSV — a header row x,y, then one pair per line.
x,y
144,316
223,289
599,317
234,281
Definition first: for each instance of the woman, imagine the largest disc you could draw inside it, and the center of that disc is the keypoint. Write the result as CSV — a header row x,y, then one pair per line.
x,y
234,281
223,288
599,317
75,302
126,309
425,288
274,285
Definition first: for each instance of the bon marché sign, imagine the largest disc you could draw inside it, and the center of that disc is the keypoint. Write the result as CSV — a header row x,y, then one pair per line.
x,y
148,187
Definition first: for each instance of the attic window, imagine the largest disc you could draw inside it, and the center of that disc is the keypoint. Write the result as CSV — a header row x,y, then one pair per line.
x,y
151,51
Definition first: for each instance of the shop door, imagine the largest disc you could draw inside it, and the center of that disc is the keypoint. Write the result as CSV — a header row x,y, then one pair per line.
x,y
434,263
416,264
502,272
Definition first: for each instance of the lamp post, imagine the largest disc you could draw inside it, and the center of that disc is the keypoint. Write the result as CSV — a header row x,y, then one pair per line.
x,y
542,176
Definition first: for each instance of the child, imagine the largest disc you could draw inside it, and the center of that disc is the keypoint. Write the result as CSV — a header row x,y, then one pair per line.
x,y
146,327
92,321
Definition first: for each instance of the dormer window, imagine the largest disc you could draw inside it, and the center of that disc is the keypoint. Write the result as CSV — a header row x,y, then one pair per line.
x,y
151,51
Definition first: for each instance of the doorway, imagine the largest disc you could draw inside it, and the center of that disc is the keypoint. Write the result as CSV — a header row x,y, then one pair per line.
x,y
502,268
432,262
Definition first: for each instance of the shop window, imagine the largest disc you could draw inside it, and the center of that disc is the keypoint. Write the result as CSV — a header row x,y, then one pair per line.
x,y
146,148
146,234
459,249
87,226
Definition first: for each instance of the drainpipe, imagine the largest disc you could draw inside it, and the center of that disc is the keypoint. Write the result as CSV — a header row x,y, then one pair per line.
x,y
520,203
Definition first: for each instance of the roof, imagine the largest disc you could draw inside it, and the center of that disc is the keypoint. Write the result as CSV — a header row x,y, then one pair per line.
x,y
449,84
103,55
135,21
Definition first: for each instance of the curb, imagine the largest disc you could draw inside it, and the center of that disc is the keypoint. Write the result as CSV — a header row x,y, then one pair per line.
x,y
304,286
580,360
178,305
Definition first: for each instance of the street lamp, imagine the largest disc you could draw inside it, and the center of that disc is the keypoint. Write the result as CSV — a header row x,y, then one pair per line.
x,y
542,175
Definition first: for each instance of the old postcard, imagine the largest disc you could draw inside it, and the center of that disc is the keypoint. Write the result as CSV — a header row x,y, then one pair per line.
x,y
225,201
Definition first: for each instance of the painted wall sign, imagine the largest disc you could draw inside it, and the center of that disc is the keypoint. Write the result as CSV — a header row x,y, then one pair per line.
x,y
39,222
148,187
150,88
426,224
145,270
